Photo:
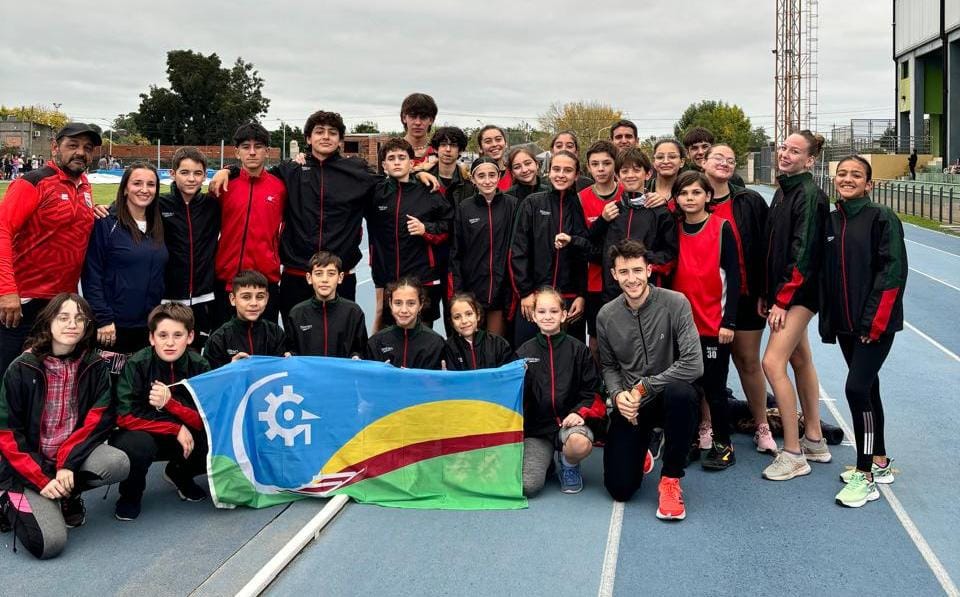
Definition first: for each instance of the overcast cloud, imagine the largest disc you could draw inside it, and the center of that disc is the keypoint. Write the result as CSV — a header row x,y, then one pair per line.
x,y
493,61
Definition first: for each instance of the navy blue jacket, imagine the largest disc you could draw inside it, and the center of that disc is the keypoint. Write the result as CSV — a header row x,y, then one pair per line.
x,y
122,280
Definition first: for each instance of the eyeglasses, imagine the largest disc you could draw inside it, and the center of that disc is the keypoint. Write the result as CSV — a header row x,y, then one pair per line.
x,y
661,157
722,160
65,319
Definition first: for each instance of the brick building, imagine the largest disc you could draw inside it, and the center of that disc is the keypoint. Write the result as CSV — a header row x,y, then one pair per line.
x,y
28,138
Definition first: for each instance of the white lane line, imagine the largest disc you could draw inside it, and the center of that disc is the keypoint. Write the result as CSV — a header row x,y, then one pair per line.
x,y
932,248
610,555
935,279
942,348
943,577
310,531
362,282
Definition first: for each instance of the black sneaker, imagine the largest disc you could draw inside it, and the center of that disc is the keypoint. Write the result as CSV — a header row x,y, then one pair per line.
x,y
5,526
127,509
187,489
694,454
719,457
656,443
73,510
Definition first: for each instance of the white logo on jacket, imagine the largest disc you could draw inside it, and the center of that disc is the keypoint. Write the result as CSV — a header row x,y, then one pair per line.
x,y
544,212
473,220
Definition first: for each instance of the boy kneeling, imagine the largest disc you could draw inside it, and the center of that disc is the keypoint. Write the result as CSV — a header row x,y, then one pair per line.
x,y
158,422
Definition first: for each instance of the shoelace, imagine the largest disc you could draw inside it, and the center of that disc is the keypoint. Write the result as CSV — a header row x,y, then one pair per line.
x,y
569,475
673,491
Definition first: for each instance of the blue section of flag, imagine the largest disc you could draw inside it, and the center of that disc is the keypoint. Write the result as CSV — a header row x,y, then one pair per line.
x,y
281,419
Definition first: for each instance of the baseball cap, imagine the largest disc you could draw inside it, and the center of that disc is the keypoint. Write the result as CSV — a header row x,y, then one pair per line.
x,y
75,129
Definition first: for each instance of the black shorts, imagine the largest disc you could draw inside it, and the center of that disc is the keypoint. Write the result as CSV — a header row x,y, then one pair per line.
x,y
748,320
594,302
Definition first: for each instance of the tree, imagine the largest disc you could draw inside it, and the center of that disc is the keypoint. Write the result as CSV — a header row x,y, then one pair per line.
x,y
277,137
758,139
204,103
55,119
590,121
366,127
726,121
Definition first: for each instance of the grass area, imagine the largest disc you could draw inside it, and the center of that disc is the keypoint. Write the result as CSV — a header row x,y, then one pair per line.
x,y
927,223
102,193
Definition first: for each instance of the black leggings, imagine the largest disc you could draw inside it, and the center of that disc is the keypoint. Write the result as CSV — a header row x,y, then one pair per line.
x,y
716,366
676,410
863,394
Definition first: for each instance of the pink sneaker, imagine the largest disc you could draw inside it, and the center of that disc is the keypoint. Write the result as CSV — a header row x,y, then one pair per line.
x,y
706,436
764,439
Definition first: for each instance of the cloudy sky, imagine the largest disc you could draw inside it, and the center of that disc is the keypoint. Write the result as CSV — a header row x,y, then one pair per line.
x,y
490,61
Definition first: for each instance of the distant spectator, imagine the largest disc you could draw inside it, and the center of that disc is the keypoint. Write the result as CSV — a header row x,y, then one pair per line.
x,y
102,163
912,161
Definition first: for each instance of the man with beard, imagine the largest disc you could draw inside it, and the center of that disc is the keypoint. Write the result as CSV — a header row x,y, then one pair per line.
x,y
45,222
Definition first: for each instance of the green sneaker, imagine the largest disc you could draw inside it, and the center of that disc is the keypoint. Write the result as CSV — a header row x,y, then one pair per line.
x,y
858,491
882,475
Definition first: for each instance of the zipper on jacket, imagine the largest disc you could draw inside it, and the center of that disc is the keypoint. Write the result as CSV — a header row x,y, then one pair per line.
x,y
556,252
405,337
172,372
643,340
190,243
250,336
246,225
396,230
473,354
320,231
629,223
843,267
325,335
553,382
490,260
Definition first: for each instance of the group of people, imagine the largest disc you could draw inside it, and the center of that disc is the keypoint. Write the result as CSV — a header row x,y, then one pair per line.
x,y
627,292
13,166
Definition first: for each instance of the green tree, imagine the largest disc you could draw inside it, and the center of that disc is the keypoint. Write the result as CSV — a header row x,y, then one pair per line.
x,y
204,103
37,115
292,132
726,121
758,139
590,121
366,127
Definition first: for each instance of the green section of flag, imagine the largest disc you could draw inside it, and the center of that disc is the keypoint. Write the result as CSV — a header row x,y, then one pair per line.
x,y
230,486
482,479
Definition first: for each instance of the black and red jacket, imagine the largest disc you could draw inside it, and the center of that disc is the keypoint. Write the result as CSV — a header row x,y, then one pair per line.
x,y
864,271
534,261
394,252
134,411
253,209
487,351
45,223
190,231
460,186
326,202
522,191
481,245
561,379
747,213
334,328
252,337
22,399
417,348
794,236
655,227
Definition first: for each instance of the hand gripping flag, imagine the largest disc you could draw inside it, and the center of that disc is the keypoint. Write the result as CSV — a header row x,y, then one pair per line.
x,y
280,429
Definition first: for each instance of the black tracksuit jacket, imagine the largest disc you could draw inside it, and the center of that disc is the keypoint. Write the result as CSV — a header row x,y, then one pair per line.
x,y
134,411
656,228
190,231
394,252
534,262
561,379
487,351
481,245
419,348
252,337
749,223
334,328
864,271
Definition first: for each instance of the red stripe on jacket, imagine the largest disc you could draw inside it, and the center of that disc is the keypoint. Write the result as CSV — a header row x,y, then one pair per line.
x,y
880,320
80,435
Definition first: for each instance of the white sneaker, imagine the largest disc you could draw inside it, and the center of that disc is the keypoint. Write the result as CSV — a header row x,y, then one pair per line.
x,y
815,451
786,466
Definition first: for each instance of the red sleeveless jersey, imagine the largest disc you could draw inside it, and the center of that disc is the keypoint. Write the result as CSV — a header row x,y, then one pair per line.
x,y
699,276
725,210
592,208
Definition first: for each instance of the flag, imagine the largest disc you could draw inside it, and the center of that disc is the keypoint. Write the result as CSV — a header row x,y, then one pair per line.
x,y
280,429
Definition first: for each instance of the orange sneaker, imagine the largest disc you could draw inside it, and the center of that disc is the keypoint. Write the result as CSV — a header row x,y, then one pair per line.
x,y
671,500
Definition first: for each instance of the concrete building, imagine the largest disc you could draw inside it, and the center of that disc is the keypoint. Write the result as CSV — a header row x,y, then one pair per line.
x,y
926,52
28,138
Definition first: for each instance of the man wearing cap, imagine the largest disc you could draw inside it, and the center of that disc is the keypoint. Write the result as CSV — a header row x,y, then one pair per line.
x,y
45,222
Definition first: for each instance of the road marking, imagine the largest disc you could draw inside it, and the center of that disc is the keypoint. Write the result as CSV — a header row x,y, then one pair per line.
x,y
266,575
935,279
930,230
610,555
362,282
942,348
941,574
932,248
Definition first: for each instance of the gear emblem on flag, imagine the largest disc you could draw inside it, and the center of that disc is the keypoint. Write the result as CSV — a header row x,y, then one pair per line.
x,y
276,411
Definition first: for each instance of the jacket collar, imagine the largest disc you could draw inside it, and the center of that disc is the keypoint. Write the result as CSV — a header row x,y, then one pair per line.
x,y
319,304
313,161
555,339
82,179
852,207
792,181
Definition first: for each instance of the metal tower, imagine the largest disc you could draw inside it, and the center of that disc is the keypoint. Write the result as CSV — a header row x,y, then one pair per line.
x,y
796,62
